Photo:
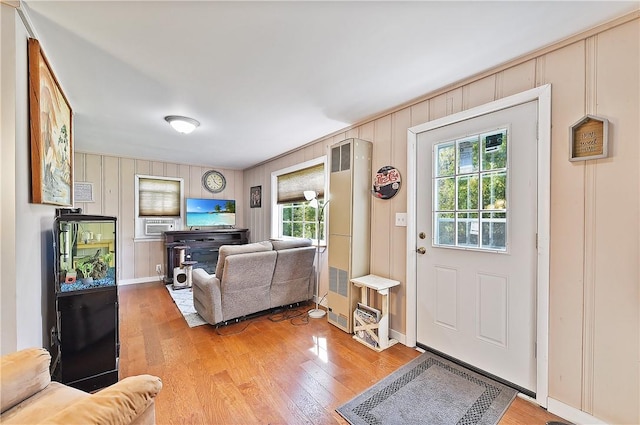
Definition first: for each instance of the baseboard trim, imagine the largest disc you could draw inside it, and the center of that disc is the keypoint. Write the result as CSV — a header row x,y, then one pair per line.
x,y
401,338
572,414
124,282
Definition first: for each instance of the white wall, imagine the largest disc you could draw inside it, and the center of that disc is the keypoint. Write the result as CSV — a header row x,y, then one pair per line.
x,y
25,227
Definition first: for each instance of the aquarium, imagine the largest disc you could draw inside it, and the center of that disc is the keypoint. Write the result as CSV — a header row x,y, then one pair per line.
x,y
84,337
85,251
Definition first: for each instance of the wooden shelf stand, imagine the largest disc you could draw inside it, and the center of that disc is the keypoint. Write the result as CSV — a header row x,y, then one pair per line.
x,y
379,331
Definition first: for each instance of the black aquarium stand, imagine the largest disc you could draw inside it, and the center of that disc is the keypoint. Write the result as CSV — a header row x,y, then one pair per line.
x,y
85,335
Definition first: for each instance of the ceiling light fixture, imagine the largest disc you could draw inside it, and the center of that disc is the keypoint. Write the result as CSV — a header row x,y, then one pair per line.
x,y
180,124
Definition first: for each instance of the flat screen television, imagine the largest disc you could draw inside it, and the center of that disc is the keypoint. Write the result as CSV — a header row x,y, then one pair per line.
x,y
211,212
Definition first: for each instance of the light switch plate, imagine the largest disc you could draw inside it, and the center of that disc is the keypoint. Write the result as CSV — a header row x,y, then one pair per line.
x,y
401,219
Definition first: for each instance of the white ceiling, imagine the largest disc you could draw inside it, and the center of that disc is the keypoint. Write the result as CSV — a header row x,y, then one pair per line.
x,y
266,77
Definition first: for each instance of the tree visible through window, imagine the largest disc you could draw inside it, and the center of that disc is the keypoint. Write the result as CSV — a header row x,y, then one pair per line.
x,y
470,192
299,220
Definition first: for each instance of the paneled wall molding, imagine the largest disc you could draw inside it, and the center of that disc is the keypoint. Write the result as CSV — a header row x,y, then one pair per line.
x,y
113,180
588,336
168,165
590,260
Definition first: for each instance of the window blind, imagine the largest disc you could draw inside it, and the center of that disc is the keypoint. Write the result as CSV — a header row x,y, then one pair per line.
x,y
158,197
292,185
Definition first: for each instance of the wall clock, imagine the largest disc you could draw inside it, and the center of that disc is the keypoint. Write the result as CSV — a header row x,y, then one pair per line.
x,y
214,181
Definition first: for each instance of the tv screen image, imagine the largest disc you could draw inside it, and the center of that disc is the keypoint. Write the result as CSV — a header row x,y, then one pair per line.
x,y
211,212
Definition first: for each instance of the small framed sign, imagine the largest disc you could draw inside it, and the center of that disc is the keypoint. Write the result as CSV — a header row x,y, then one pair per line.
x,y
83,192
588,138
255,197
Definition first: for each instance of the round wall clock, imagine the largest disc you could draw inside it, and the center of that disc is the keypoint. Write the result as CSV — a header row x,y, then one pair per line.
x,y
214,181
386,182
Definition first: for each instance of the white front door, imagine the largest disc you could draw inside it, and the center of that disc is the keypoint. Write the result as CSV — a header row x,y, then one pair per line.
x,y
476,218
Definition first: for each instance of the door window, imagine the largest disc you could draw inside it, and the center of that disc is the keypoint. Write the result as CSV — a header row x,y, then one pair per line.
x,y
470,192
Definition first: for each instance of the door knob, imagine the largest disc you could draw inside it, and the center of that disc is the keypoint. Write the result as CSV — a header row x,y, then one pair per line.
x,y
421,250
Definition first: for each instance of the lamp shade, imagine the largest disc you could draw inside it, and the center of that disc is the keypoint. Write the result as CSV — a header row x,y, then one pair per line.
x,y
182,125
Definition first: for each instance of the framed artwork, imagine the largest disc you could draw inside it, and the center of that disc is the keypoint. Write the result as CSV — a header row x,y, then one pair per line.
x,y
51,133
255,197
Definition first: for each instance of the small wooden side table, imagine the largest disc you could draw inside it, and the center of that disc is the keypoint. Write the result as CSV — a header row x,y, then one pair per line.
x,y
379,332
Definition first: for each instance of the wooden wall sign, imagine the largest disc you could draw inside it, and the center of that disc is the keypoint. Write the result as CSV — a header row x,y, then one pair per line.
x,y
588,138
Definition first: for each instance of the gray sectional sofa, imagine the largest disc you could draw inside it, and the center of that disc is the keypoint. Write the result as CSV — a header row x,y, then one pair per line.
x,y
255,277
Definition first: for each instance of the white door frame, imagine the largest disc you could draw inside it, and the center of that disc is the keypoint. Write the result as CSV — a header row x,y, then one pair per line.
x,y
543,95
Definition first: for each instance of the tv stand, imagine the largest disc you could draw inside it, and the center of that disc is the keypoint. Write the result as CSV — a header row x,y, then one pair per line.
x,y
201,245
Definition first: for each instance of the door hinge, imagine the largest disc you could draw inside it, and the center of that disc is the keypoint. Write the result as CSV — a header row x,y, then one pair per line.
x,y
536,241
535,350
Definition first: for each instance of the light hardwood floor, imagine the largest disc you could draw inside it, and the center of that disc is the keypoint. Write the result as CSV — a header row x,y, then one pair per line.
x,y
261,371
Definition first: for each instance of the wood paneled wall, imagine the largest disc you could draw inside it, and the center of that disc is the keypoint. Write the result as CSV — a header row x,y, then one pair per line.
x,y
594,333
114,194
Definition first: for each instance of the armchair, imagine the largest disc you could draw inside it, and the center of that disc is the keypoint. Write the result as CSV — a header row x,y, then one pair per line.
x,y
28,396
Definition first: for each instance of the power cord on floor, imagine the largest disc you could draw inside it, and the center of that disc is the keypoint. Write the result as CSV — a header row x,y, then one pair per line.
x,y
297,316
233,331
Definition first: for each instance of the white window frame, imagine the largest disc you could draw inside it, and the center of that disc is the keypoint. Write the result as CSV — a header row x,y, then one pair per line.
x,y
139,224
276,209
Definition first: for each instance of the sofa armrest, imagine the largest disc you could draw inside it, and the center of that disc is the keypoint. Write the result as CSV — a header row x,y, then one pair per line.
x,y
118,404
23,374
207,298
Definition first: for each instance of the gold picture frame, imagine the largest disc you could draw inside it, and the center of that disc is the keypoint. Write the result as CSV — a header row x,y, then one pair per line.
x,y
50,124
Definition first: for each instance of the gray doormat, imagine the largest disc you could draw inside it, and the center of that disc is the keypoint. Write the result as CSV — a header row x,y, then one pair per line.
x,y
430,390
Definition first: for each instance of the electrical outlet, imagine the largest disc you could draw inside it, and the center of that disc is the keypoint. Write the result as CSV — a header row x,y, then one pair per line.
x,y
159,268
401,219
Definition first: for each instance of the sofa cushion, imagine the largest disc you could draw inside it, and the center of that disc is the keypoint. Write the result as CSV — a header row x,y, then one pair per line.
x,y
226,250
41,406
290,243
292,278
23,374
118,404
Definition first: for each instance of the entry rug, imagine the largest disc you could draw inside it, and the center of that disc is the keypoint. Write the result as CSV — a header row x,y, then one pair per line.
x,y
183,298
430,390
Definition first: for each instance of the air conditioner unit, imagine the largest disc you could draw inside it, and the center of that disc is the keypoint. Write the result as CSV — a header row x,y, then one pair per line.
x,y
156,227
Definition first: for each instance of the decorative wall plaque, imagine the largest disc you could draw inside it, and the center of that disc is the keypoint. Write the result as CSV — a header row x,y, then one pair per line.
x,y
386,182
588,138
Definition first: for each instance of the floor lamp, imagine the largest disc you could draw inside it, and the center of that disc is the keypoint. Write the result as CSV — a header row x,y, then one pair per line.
x,y
312,197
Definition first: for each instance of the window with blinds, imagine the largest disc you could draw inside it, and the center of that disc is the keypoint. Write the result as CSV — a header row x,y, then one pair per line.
x,y
291,186
295,217
159,196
